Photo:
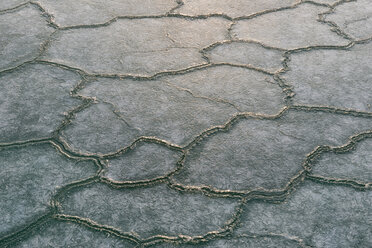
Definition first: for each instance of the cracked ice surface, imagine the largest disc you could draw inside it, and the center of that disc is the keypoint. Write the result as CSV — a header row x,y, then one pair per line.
x,y
340,78
149,108
33,100
183,123
233,85
21,36
71,235
354,18
163,45
30,176
234,8
354,165
71,12
145,161
250,240
246,53
240,159
318,214
300,24
8,4
150,211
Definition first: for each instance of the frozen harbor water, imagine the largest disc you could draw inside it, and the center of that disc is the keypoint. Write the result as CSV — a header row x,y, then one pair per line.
x,y
186,123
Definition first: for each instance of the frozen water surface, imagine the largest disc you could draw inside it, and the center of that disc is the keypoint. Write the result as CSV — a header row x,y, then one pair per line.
x,y
185,123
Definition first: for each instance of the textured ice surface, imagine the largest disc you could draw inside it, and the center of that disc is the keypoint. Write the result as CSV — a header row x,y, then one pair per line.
x,y
247,53
354,165
354,18
158,210
265,153
289,29
234,8
322,215
33,100
145,161
71,12
30,176
339,78
7,4
139,46
247,90
65,234
249,241
143,108
326,1
180,104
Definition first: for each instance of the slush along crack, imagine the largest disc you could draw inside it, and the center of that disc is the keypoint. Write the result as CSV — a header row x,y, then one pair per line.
x,y
50,18
155,76
15,8
9,240
293,181
348,147
95,179
64,150
334,27
27,229
225,230
267,196
220,43
116,184
345,182
171,14
225,127
44,47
